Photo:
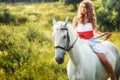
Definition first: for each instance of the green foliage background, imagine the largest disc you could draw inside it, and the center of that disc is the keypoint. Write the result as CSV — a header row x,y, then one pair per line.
x,y
26,47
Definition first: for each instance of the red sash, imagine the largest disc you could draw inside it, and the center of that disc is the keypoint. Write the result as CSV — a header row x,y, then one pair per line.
x,y
86,34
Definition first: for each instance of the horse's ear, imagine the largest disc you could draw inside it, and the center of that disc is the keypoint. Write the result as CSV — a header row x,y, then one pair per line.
x,y
53,21
66,21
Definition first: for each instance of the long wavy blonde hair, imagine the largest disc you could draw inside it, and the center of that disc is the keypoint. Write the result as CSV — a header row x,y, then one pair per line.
x,y
90,13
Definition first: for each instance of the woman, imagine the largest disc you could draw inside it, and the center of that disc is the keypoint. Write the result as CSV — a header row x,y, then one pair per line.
x,y
86,27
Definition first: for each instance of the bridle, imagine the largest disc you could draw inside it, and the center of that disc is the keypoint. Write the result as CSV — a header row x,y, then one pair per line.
x,y
68,47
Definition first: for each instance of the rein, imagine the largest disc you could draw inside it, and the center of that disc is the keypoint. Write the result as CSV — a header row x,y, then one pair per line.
x,y
67,47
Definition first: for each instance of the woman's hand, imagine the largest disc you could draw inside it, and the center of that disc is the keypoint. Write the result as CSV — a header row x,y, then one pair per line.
x,y
97,32
108,35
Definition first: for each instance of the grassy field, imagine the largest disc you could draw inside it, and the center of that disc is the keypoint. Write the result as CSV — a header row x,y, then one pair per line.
x,y
32,40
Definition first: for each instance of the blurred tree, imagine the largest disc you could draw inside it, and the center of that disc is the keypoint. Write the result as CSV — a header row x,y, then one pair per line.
x,y
114,6
28,0
107,15
72,2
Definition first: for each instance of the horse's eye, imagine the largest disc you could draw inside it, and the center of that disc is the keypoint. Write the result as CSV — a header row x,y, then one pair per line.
x,y
64,37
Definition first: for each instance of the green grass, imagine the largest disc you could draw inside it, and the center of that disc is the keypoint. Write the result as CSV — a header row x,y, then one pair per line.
x,y
30,44
115,39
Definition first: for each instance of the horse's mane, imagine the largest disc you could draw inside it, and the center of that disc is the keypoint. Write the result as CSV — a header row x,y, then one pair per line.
x,y
71,28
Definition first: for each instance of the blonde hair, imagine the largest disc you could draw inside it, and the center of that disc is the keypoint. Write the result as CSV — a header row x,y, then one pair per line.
x,y
90,12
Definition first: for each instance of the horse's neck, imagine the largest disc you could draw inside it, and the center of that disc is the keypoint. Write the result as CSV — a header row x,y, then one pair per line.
x,y
80,53
77,51
75,54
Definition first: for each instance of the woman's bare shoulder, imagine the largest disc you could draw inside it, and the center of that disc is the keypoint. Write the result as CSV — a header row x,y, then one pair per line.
x,y
75,21
76,18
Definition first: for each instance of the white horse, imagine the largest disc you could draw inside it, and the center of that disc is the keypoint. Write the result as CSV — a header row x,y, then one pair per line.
x,y
83,62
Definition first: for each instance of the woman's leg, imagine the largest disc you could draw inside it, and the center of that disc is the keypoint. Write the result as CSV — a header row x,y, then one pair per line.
x,y
107,65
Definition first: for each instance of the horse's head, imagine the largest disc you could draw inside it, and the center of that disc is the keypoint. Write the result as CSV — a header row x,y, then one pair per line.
x,y
60,38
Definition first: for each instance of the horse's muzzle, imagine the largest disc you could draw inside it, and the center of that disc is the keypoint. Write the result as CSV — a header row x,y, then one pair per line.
x,y
59,60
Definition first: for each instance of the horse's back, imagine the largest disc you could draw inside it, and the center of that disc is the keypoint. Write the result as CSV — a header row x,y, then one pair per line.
x,y
110,46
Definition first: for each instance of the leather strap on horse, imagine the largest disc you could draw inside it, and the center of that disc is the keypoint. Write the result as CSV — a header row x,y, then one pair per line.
x,y
72,44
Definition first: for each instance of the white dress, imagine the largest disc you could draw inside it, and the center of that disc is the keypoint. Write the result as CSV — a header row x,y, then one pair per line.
x,y
95,43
